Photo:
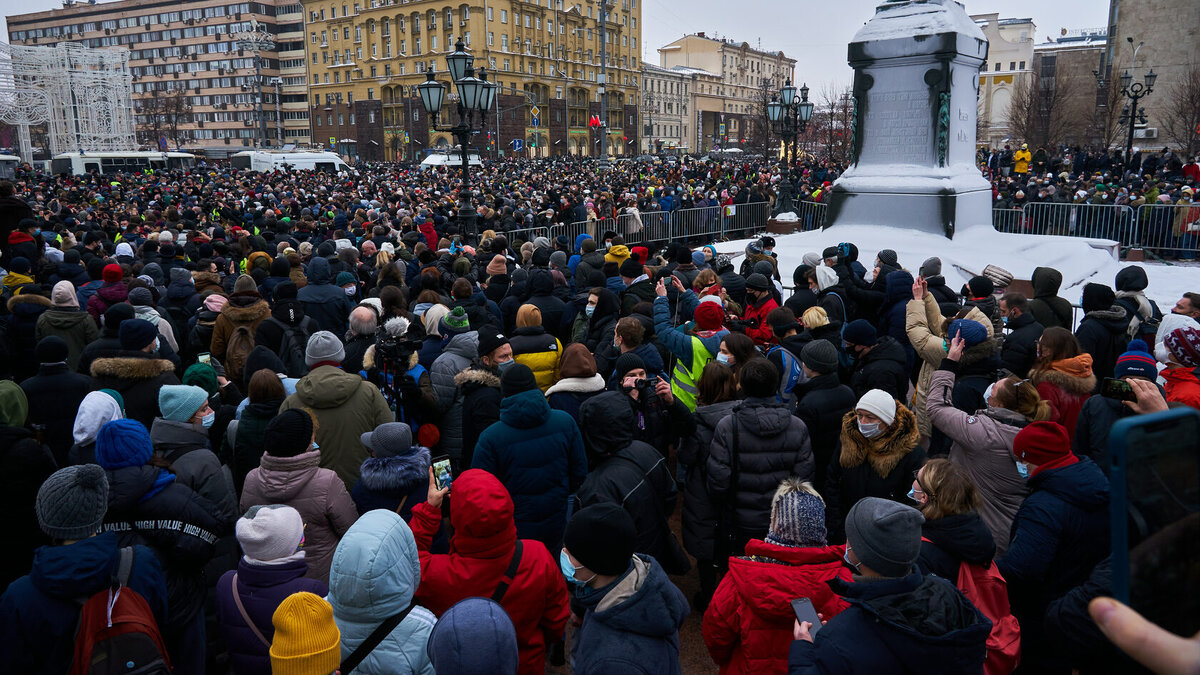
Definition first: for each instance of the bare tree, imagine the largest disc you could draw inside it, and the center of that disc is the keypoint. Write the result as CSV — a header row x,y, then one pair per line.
x,y
150,118
1106,125
1041,113
760,134
1180,114
832,121
177,109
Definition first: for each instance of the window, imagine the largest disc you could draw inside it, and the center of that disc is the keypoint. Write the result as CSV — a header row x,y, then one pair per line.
x,y
416,45
1022,65
527,21
371,97
387,28
504,42
504,16
491,39
489,13
997,66
467,38
507,64
1012,65
358,33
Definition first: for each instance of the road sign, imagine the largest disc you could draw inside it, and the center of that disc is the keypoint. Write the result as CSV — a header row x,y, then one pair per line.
x,y
721,131
594,121
537,122
536,112
332,141
517,144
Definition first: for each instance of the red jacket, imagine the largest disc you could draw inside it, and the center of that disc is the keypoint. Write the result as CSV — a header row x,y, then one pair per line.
x,y
762,335
480,551
431,238
1182,386
748,624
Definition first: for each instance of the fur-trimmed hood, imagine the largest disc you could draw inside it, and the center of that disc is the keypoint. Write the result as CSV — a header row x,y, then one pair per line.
x,y
477,375
27,299
131,367
369,359
883,452
580,385
245,309
1069,383
396,474
977,353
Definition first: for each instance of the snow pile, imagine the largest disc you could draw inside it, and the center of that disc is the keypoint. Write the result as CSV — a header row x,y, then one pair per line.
x,y
789,217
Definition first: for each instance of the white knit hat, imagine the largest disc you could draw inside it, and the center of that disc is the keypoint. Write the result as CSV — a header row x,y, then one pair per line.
x,y
880,404
270,532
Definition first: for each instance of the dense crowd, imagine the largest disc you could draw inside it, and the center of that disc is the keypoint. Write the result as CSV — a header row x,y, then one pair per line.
x,y
225,394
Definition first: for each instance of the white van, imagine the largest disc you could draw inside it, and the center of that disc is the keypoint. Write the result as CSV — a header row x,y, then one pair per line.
x,y
267,160
452,159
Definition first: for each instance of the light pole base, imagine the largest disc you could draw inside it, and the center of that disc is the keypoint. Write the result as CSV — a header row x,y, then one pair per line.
x,y
603,164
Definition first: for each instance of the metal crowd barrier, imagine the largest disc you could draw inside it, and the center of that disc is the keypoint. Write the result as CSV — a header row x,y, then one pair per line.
x,y
527,233
1008,220
1096,221
1169,230
812,215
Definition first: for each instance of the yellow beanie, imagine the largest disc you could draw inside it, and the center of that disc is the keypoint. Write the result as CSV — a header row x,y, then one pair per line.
x,y
307,641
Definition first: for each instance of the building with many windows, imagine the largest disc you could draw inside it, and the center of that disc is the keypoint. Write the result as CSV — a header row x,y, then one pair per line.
x,y
666,97
193,87
730,79
365,59
1009,66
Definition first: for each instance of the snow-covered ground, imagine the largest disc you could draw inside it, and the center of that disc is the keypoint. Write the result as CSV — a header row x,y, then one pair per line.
x,y
974,248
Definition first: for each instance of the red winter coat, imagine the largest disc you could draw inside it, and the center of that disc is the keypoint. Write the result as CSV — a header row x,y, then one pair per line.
x,y
431,237
1182,386
480,551
748,624
762,335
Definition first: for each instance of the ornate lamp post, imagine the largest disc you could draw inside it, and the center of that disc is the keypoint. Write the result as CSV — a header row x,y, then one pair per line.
x,y
1132,114
257,40
475,97
791,114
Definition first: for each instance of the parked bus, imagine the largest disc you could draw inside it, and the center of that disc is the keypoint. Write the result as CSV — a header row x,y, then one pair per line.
x,y
266,160
82,163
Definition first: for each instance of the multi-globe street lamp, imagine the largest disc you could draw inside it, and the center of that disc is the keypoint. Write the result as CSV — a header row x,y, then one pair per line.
x,y
1132,115
791,114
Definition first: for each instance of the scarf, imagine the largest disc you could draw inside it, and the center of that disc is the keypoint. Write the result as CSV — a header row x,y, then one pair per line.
x,y
1079,366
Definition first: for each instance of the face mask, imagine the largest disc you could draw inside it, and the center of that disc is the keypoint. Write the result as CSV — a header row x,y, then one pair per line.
x,y
870,430
723,358
1004,319
207,420
846,557
568,570
349,291
987,393
157,344
1023,469
315,446
616,344
912,494
589,310
505,365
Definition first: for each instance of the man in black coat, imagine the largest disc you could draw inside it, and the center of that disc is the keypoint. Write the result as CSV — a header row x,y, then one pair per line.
x,y
879,362
54,395
823,402
1102,332
138,372
1020,345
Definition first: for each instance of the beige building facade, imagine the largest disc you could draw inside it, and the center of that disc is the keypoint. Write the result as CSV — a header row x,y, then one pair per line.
x,y
1009,65
666,101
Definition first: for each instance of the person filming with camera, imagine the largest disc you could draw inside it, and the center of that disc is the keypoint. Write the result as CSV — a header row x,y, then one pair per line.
x,y
658,414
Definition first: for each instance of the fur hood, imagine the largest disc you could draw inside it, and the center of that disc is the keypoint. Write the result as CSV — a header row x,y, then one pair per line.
x,y
369,359
248,313
477,375
884,452
579,385
27,299
131,367
392,474
1074,384
980,352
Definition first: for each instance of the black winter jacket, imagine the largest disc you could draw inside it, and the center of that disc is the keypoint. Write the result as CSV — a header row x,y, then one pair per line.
x,y
884,367
1020,345
822,403
137,377
1102,334
699,513
953,540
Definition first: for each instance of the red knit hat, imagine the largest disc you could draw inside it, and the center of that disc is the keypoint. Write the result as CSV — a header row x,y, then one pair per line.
x,y
112,273
1041,443
1184,345
709,316
428,435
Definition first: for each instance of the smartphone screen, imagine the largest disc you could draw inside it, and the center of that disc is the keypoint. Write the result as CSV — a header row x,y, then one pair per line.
x,y
805,611
441,472
1117,389
1155,510
205,357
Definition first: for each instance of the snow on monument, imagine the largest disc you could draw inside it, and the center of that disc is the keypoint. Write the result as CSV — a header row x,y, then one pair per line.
x,y
916,80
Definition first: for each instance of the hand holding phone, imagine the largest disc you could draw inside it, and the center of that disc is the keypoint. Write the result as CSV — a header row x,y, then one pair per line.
x,y
204,357
806,614
1119,390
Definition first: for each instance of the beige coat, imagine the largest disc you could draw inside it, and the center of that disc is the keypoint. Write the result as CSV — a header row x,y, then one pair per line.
x,y
923,323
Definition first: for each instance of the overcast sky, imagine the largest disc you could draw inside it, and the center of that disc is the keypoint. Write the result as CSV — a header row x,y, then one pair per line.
x,y
814,34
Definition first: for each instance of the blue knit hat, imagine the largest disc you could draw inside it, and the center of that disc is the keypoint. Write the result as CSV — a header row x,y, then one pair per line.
x,y
474,637
178,402
971,331
797,516
1136,361
122,443
136,334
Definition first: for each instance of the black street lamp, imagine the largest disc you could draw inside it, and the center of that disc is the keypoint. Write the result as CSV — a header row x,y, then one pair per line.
x,y
475,97
1132,114
790,114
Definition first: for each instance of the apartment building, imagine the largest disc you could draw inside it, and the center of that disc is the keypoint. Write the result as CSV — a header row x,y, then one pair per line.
x,y
666,98
193,84
1009,66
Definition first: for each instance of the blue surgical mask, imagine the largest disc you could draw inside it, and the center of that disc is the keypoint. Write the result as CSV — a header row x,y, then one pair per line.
x,y
912,494
505,365
846,557
568,570
589,310
207,420
1023,469
315,446
723,358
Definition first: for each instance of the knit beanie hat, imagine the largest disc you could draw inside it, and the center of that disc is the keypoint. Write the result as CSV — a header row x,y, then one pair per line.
x,y
880,404
141,297
1097,297
136,334
390,439
21,265
888,257
215,302
1136,362
52,349
490,340
71,503
324,346
981,287
601,538
709,316
245,283
289,433
123,443
474,637
627,362
270,532
343,279
498,265
63,295
860,332
631,268
757,282
1041,442
178,402
558,259
820,356
698,258
306,640
204,376
455,323
885,535
797,515
112,273
972,332
516,379
932,267
1184,345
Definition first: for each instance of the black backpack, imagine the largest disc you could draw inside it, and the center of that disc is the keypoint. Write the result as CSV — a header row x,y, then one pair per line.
x,y
291,348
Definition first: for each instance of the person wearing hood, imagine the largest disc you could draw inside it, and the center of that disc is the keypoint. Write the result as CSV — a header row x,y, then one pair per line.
x,y
137,373
65,320
590,260
180,437
484,548
54,395
24,464
280,272
39,612
630,473
374,577
1103,330
1144,314
1063,376
1047,308
288,473
460,347
754,448
1182,374
200,326
172,519
244,444
1059,534
1019,351
271,568
287,320
26,309
97,409
899,619
326,303
344,406
594,325
632,611
877,457
537,453
823,280
431,345
748,625
181,300
877,362
393,477
478,389
475,637
246,308
578,381
142,301
541,295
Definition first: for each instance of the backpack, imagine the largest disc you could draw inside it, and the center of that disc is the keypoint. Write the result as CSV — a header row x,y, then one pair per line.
x,y
291,348
118,632
792,374
986,588
237,350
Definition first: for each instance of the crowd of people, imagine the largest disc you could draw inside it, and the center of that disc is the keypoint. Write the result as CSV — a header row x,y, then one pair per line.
x,y
311,423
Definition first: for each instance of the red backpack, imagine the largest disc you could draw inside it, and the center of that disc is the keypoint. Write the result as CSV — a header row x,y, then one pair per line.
x,y
118,632
988,591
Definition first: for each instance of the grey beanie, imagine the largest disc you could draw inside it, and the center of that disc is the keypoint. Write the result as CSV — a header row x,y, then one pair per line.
x,y
888,257
820,356
324,346
931,267
558,259
141,297
72,502
390,439
885,535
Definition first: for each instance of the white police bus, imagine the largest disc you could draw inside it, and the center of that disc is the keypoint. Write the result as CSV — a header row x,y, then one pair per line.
x,y
82,163
287,160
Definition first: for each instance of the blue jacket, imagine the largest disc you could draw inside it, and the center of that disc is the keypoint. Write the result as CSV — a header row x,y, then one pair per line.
x,y
678,342
893,313
326,303
537,453
637,631
374,574
913,624
39,612
261,589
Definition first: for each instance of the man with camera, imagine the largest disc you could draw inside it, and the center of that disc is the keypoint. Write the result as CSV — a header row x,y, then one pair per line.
x,y
659,415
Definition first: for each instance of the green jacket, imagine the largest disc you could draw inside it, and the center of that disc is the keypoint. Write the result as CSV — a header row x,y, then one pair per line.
x,y
74,326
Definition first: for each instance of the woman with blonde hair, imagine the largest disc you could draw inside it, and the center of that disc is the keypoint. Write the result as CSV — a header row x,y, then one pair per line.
x,y
534,347
982,442
953,531
818,326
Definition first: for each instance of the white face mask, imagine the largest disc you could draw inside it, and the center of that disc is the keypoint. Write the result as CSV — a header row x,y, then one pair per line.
x,y
870,430
987,394
349,290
